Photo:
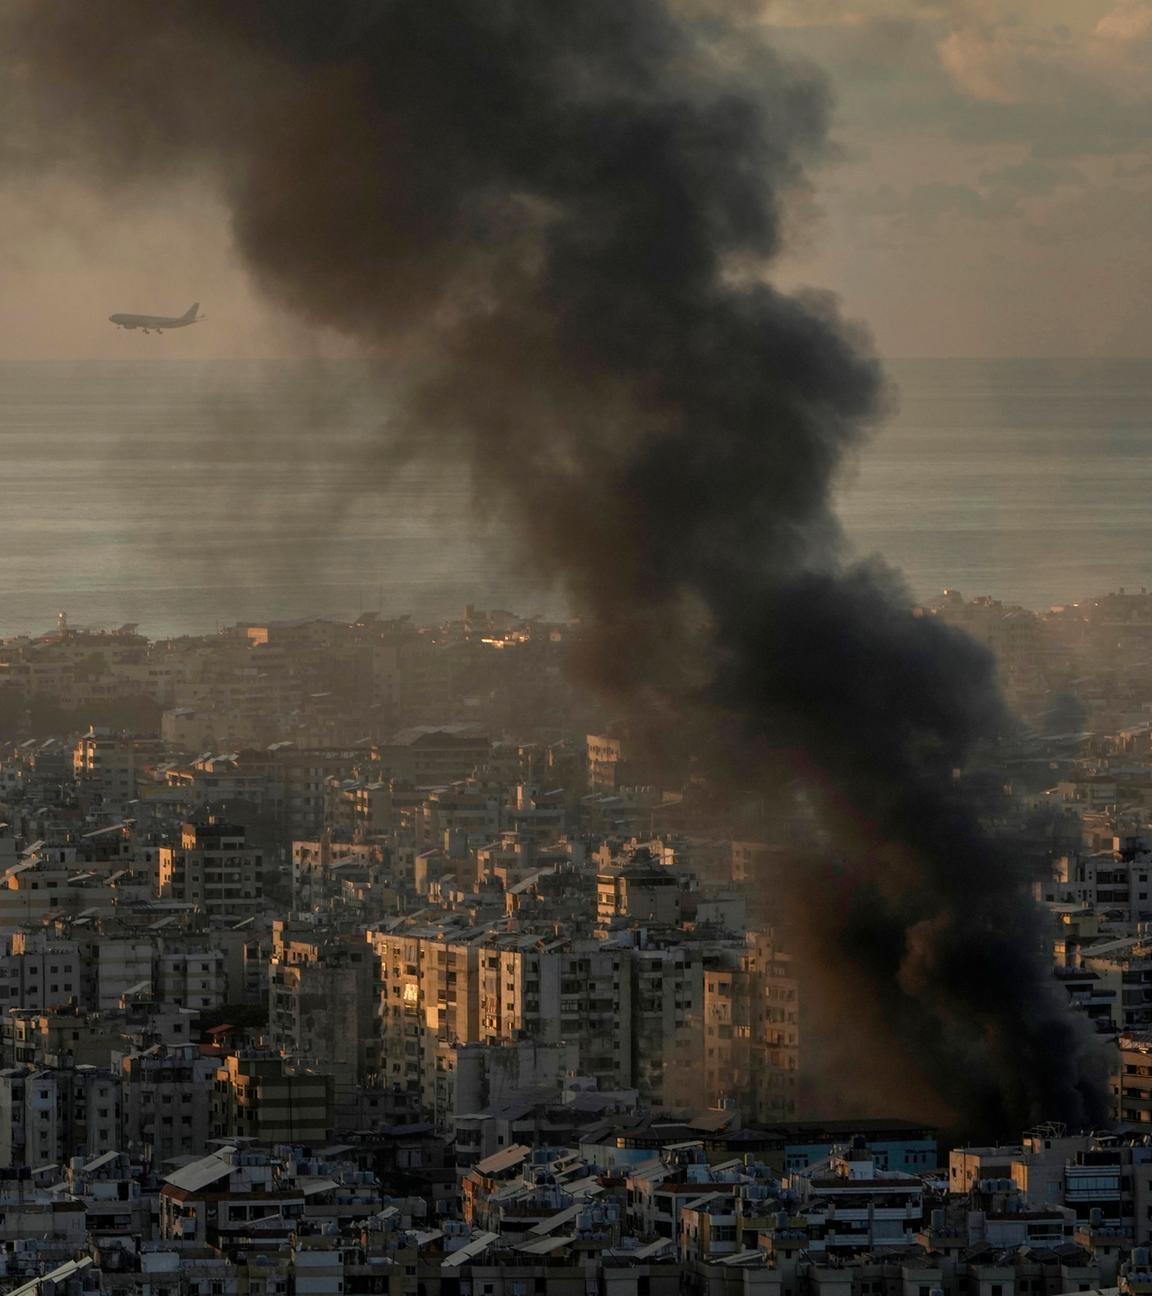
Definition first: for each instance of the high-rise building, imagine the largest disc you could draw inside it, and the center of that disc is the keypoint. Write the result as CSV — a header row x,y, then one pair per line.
x,y
167,1096
214,868
751,1030
321,1004
256,1095
49,1116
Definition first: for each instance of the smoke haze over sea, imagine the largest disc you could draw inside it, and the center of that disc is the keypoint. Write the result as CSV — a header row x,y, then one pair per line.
x,y
132,493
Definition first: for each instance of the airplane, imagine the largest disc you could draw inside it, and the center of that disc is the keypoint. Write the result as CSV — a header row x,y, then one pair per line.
x,y
157,322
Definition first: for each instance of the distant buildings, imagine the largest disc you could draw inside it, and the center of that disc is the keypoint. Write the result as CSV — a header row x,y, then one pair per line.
x,y
373,960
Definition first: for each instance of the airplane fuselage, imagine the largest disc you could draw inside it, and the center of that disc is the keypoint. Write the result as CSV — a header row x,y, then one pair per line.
x,y
157,323
149,321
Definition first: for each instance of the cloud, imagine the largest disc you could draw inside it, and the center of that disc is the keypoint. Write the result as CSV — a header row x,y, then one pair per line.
x,y
847,13
1016,55
1130,22
999,194
1030,178
994,154
983,64
1064,78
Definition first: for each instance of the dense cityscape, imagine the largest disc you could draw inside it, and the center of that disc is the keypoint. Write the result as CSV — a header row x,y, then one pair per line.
x,y
746,921
376,957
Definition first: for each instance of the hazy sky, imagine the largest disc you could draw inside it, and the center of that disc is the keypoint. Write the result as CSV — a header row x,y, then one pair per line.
x,y
992,196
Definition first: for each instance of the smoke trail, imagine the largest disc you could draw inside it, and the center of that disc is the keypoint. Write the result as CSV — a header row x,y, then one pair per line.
x,y
555,218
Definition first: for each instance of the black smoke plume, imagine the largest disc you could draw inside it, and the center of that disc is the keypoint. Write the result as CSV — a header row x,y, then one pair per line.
x,y
555,217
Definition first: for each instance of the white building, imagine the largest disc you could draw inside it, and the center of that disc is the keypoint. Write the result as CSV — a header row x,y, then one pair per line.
x,y
850,1205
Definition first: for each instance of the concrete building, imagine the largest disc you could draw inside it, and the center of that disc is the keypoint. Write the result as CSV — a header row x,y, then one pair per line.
x,y
607,766
62,1038
36,889
123,964
213,1200
1115,882
434,756
257,1096
39,973
194,979
850,1205
107,765
1132,1080
428,997
1121,971
751,1041
636,891
467,808
47,1116
167,1101
215,869
668,1011
561,991
322,998
474,1077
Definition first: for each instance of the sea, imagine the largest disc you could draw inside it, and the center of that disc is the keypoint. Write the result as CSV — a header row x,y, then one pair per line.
x,y
184,496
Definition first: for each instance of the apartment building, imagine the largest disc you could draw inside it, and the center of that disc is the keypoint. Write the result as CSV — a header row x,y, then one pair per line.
x,y
37,889
58,1039
167,1101
606,762
435,756
258,1096
667,1014
636,891
751,1034
322,996
48,1116
465,987
563,990
107,765
507,859
39,973
464,807
850,1205
212,1201
1121,980
1132,1079
428,996
1115,882
194,979
214,869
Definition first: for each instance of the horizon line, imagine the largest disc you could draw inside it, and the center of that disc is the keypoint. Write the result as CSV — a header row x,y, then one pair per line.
x,y
285,359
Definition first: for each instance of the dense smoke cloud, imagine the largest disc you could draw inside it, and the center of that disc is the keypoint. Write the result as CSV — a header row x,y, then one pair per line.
x,y
554,219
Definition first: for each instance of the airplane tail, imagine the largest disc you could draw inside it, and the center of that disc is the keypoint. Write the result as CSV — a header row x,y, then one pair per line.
x,y
190,314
